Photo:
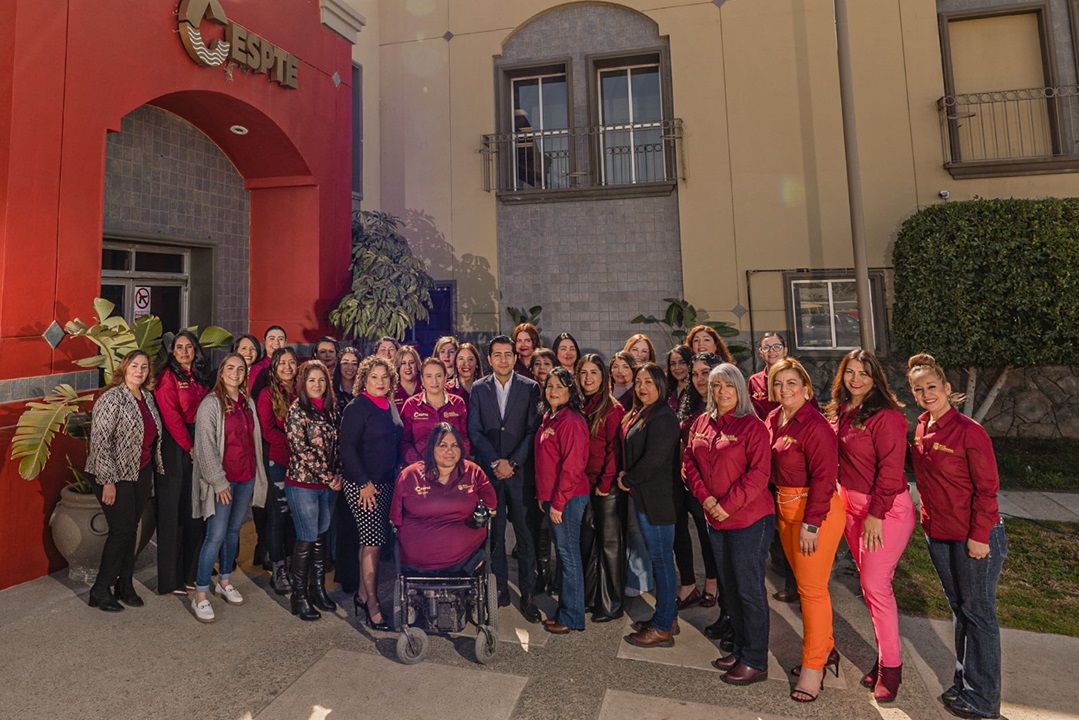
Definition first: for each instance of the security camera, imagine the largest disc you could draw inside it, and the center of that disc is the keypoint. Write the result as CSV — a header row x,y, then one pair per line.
x,y
944,194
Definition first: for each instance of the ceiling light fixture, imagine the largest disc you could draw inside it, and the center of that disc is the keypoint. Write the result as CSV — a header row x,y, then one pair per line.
x,y
239,130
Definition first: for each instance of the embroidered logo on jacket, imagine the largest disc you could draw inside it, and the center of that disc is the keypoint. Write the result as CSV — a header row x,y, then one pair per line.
x,y
943,448
724,437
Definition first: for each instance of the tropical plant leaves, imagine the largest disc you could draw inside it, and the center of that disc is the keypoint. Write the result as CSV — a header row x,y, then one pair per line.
x,y
38,425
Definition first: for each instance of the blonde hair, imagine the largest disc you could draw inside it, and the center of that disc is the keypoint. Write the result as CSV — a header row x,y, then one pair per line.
x,y
924,362
788,363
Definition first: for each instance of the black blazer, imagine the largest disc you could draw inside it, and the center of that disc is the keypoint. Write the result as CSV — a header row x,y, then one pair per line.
x,y
652,464
495,437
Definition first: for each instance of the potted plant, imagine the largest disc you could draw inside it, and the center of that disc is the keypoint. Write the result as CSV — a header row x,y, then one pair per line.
x,y
78,525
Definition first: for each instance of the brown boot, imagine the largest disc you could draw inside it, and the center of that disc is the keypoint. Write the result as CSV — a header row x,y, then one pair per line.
x,y
651,637
640,625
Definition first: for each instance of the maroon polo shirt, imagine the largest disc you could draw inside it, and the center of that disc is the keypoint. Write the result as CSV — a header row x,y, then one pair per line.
x,y
956,473
239,459
149,432
400,395
433,519
871,457
562,445
420,418
178,399
729,458
805,453
454,387
605,447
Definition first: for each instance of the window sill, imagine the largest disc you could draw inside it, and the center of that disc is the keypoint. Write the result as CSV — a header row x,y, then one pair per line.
x,y
614,192
1012,168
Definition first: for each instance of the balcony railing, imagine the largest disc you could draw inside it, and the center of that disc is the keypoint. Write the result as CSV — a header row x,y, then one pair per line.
x,y
619,155
1009,132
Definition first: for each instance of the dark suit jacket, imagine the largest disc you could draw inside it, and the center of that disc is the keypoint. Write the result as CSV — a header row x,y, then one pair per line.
x,y
495,437
652,463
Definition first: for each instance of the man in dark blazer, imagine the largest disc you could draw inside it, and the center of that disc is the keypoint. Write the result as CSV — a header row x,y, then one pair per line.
x,y
502,423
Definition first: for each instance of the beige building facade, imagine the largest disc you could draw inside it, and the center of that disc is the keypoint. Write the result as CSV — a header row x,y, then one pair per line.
x,y
596,157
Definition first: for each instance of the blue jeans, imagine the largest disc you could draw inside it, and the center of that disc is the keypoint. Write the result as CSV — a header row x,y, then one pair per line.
x,y
311,510
223,534
740,559
567,543
971,588
638,564
659,539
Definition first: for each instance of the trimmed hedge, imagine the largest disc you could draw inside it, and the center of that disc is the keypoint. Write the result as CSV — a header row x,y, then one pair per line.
x,y
988,283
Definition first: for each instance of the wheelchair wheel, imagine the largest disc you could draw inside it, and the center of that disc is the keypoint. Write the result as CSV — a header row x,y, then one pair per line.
x,y
411,645
486,644
492,601
398,607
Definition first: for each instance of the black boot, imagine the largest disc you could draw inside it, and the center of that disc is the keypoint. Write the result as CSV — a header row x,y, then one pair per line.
x,y
301,571
101,597
318,577
125,593
280,579
543,577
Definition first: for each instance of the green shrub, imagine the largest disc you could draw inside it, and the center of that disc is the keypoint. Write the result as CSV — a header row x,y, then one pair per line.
x,y
990,283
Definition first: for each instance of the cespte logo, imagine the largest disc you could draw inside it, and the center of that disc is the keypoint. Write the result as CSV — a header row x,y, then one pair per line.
x,y
236,43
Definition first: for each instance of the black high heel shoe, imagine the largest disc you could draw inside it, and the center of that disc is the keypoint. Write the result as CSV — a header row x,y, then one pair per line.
x,y
381,627
832,661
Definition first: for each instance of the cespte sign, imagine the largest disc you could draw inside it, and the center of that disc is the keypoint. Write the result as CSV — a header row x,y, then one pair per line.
x,y
238,44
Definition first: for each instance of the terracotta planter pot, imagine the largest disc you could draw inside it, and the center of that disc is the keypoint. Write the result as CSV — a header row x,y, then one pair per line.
x,y
79,530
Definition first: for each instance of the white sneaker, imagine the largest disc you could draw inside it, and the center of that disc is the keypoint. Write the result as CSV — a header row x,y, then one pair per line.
x,y
232,595
204,612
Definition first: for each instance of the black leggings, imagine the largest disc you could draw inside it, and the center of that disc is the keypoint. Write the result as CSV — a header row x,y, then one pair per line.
x,y
686,505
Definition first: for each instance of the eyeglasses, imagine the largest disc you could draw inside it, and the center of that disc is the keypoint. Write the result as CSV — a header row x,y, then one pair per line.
x,y
773,348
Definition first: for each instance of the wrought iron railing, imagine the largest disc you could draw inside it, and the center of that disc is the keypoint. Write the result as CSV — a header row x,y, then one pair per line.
x,y
1034,124
583,157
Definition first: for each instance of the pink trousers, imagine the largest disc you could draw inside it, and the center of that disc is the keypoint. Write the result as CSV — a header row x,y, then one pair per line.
x,y
877,568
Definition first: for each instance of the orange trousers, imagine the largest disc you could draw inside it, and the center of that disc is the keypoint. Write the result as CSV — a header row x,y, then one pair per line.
x,y
811,571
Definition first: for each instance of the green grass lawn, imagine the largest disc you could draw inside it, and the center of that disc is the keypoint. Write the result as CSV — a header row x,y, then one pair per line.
x,y
1039,586
1028,464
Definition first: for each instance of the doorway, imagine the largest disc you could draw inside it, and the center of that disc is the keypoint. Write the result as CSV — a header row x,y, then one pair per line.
x,y
147,280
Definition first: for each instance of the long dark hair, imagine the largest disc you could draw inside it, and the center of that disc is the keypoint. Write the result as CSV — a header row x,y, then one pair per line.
x,y
598,414
638,410
259,352
337,368
877,399
329,400
280,395
693,403
200,366
566,378
430,467
576,348
687,357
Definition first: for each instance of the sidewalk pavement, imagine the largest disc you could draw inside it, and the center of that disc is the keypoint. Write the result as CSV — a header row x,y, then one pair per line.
x,y
62,659
1035,505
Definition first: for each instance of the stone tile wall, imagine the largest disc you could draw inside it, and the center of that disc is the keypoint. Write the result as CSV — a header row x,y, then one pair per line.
x,y
165,178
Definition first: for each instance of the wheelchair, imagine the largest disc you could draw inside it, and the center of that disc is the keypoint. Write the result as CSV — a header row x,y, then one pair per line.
x,y
442,604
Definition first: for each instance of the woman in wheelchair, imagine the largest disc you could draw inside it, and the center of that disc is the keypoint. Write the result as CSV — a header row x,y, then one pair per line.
x,y
433,507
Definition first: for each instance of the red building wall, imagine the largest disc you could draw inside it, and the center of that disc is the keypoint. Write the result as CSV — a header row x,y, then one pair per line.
x,y
69,71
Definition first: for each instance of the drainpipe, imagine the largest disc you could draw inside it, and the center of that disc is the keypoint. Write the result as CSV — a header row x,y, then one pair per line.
x,y
854,179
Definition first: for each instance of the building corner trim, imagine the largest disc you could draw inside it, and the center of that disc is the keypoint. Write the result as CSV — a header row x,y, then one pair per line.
x,y
338,16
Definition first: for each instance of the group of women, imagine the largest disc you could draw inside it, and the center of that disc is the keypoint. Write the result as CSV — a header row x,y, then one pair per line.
x,y
626,453
751,460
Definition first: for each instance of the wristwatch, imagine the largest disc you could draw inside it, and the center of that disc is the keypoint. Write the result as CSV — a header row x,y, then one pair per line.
x,y
810,528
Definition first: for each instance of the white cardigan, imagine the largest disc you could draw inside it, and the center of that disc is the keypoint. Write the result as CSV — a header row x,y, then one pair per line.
x,y
208,472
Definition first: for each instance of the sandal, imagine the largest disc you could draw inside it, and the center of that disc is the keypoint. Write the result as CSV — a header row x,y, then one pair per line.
x,y
804,696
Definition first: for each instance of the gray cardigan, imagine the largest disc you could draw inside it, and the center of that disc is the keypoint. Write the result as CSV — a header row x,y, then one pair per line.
x,y
116,434
208,473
